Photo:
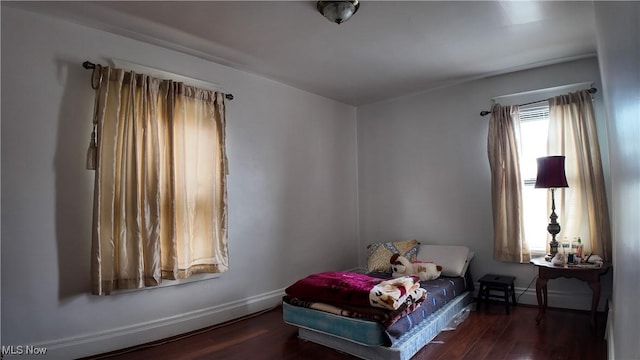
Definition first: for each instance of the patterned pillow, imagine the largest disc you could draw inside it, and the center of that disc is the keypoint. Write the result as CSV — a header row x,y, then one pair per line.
x,y
378,254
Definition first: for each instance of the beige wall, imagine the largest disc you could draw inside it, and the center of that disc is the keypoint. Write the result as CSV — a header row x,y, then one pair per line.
x,y
618,29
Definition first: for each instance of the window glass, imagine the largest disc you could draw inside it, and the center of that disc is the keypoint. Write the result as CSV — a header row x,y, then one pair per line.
x,y
534,124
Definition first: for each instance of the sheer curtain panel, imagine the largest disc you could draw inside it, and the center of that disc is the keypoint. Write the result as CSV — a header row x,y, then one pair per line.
x,y
160,208
506,185
583,205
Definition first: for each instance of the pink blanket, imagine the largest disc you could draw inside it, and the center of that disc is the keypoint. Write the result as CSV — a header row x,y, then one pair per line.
x,y
357,289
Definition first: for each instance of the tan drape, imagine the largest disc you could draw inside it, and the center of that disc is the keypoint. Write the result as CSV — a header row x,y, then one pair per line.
x,y
583,209
506,185
160,182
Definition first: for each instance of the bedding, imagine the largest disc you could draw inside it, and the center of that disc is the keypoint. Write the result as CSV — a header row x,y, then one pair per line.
x,y
395,323
385,317
439,292
358,337
336,314
378,254
357,289
453,259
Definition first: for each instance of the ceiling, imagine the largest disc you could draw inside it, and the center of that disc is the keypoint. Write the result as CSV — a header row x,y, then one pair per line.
x,y
387,49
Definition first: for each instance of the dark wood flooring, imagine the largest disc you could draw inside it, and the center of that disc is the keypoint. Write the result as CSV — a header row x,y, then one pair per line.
x,y
486,334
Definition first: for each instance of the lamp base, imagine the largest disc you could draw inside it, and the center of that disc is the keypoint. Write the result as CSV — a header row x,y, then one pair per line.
x,y
553,245
553,228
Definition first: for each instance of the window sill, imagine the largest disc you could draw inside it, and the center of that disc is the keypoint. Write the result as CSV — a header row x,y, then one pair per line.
x,y
537,253
166,283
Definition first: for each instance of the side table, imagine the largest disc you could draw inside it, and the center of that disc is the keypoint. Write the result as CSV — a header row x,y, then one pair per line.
x,y
547,271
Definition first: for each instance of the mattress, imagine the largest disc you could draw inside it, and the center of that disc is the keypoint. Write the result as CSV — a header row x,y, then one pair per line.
x,y
446,297
363,332
369,330
363,338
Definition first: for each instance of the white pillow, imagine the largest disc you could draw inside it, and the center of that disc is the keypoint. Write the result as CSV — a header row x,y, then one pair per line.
x,y
454,259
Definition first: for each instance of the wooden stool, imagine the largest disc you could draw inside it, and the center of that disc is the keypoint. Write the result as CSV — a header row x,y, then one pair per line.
x,y
504,284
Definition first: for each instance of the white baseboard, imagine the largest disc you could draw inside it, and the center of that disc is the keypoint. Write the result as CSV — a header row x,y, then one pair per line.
x,y
608,333
128,336
557,299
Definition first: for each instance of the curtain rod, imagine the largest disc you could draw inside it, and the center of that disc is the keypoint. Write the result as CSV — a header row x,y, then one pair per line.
x,y
485,112
89,65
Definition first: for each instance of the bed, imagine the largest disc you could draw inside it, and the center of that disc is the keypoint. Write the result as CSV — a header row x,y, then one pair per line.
x,y
359,329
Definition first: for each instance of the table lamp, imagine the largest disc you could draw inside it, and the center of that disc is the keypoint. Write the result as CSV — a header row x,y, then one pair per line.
x,y
551,175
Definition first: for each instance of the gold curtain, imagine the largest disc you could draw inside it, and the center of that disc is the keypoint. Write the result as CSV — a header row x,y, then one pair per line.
x,y
583,209
509,243
160,194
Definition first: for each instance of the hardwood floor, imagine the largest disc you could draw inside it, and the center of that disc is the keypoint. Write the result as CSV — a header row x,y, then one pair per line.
x,y
486,334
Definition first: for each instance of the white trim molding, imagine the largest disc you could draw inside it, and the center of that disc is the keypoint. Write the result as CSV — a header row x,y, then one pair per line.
x,y
608,333
540,94
558,299
164,74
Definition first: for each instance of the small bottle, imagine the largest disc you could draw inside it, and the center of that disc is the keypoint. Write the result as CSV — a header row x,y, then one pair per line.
x,y
571,253
579,248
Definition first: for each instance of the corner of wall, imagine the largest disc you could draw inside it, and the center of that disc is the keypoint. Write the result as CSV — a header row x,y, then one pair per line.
x,y
357,157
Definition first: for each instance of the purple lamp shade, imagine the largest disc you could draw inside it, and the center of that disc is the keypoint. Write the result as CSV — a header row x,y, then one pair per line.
x,y
551,172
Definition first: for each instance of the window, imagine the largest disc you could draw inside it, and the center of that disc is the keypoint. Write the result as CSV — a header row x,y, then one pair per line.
x,y
565,125
534,125
160,195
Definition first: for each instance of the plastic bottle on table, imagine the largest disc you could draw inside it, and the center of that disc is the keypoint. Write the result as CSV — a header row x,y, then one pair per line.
x,y
579,248
571,252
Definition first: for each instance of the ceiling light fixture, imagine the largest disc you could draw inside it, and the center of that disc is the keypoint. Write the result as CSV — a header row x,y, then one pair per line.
x,y
338,11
